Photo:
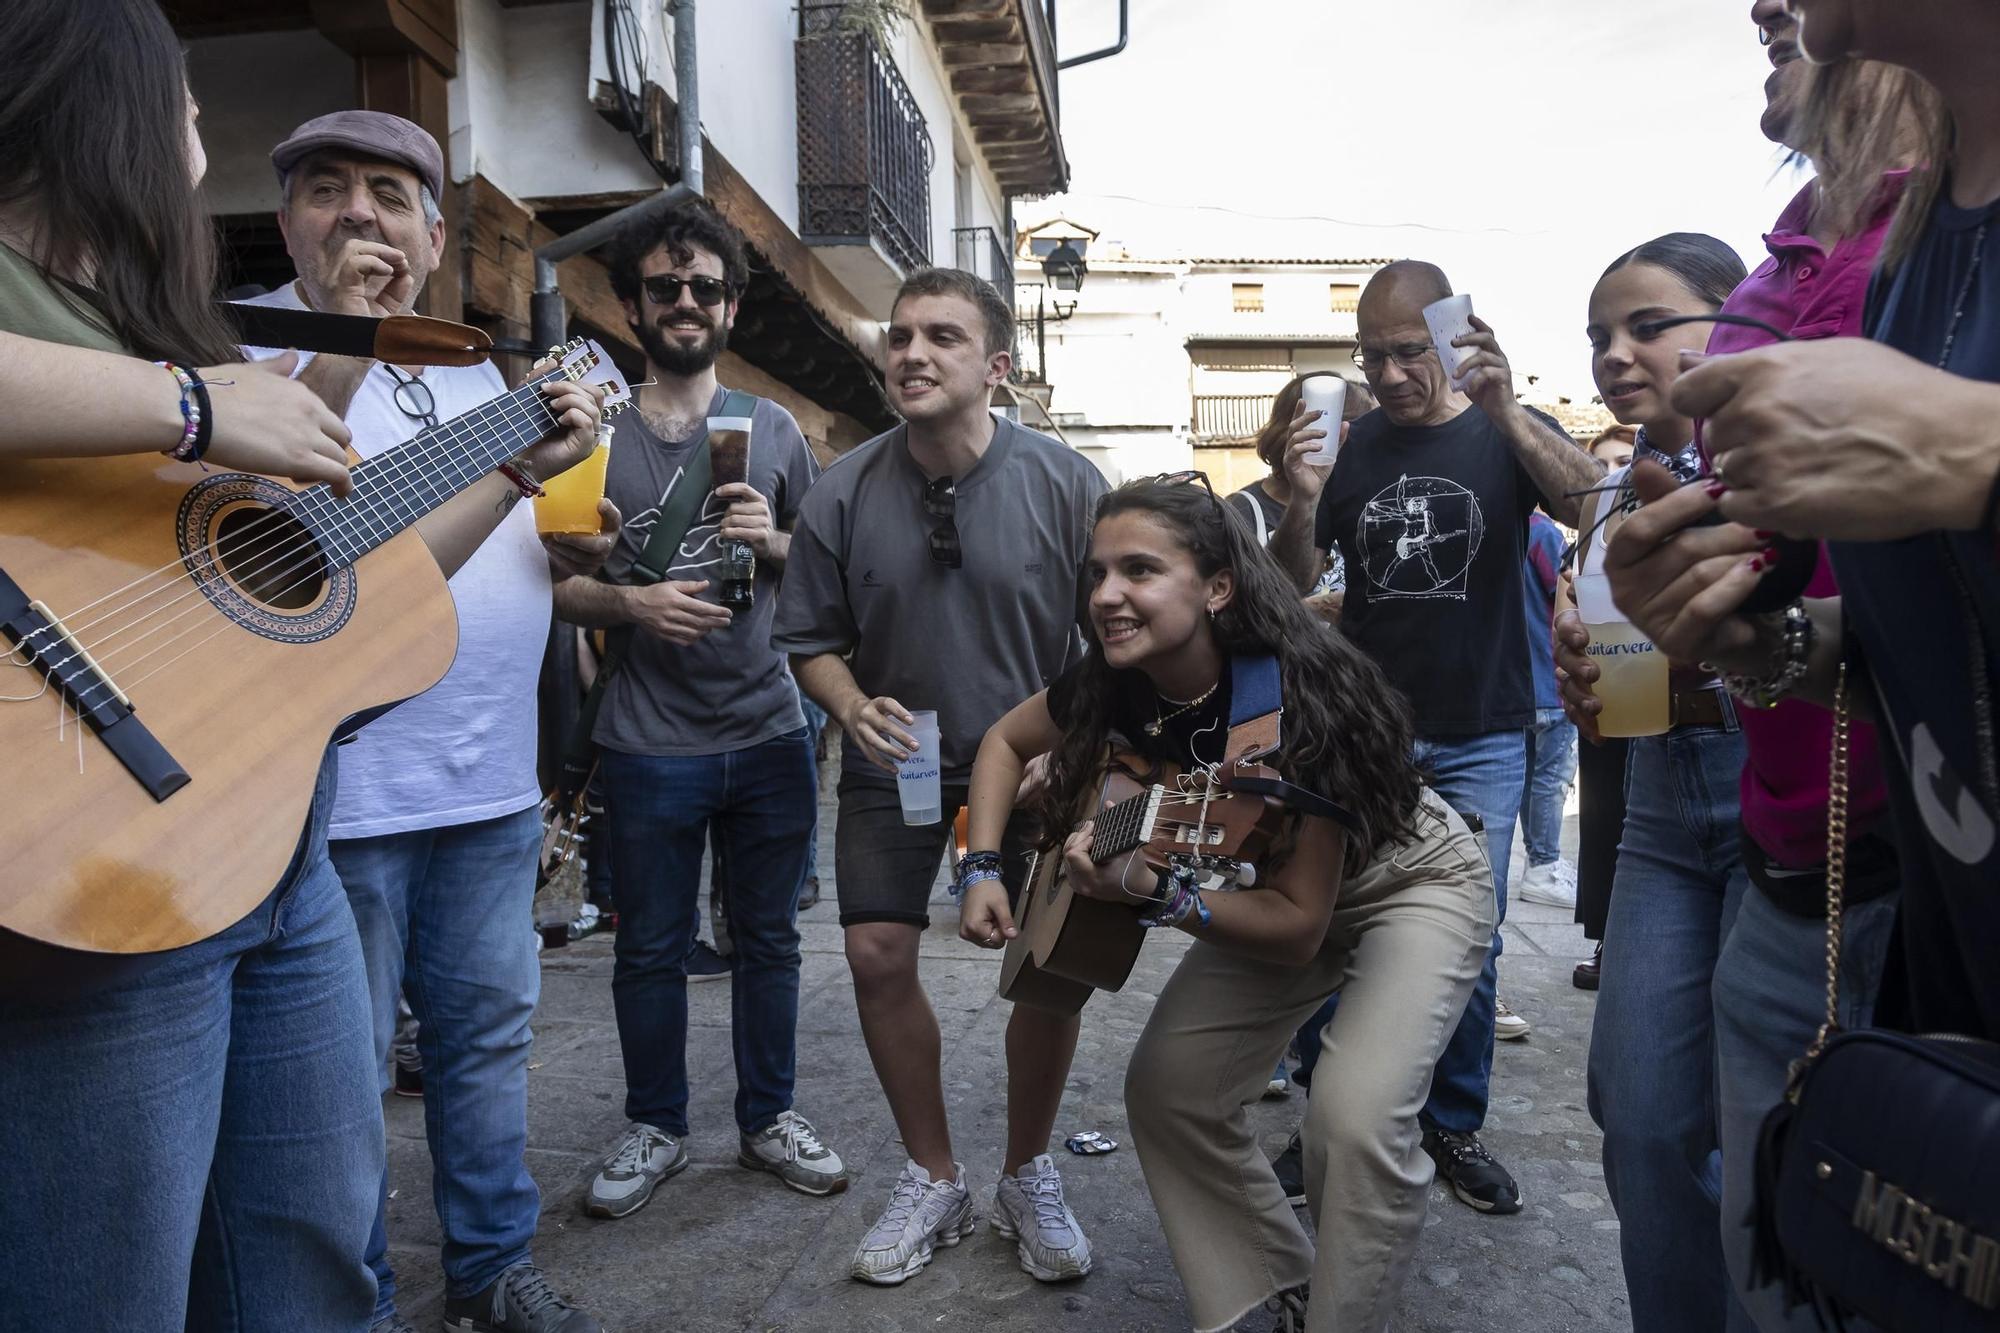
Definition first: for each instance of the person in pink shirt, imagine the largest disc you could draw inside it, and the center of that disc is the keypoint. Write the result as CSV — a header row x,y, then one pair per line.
x,y
1768,987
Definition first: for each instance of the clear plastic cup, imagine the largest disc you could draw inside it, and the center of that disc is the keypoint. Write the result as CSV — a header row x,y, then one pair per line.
x,y
917,778
1326,394
568,502
1448,319
1632,674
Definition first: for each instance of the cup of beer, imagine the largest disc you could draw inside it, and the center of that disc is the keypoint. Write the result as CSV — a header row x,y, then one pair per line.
x,y
1632,673
569,500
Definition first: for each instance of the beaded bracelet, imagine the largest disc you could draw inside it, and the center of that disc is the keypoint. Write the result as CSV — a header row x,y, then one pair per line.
x,y
193,440
524,480
1789,662
974,868
1180,899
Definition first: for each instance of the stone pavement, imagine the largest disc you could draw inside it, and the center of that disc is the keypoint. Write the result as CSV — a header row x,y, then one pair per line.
x,y
721,1248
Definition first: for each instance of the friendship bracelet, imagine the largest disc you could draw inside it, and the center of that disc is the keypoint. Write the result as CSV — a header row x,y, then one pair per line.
x,y
1180,899
524,480
192,440
974,868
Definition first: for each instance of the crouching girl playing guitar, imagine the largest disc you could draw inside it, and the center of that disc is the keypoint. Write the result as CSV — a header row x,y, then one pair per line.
x,y
1372,887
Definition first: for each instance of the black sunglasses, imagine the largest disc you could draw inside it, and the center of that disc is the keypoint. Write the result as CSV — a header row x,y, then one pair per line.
x,y
1188,478
941,501
665,289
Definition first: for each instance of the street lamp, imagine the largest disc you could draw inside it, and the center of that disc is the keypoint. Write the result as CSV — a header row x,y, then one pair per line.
x,y
1064,268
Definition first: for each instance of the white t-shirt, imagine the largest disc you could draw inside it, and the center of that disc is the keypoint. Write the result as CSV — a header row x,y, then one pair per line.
x,y
465,749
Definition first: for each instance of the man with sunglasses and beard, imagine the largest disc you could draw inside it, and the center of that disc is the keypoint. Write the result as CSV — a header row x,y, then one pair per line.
x,y
436,825
701,726
938,566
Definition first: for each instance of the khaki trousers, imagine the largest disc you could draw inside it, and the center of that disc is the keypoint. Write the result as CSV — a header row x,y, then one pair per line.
x,y
1407,940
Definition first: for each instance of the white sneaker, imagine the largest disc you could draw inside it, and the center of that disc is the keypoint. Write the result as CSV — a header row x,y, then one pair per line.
x,y
791,1150
1029,1209
1552,884
1507,1025
922,1215
642,1159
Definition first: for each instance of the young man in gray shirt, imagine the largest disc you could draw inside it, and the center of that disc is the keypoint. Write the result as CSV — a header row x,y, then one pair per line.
x,y
937,567
701,726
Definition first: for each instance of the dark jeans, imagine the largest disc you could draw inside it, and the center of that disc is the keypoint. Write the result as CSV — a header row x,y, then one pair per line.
x,y
761,798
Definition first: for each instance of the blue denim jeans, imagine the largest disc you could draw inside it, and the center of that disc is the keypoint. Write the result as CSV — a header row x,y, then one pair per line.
x,y
199,1145
1551,768
815,724
1652,1076
447,918
1484,776
1770,998
762,799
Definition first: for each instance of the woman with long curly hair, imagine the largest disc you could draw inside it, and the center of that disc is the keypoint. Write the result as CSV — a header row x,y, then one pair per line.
x,y
1386,897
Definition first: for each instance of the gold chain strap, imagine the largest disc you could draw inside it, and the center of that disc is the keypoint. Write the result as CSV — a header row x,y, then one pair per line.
x,y
1836,880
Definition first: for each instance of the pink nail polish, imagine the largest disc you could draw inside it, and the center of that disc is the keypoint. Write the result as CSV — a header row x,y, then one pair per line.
x,y
1757,564
1768,556
1716,489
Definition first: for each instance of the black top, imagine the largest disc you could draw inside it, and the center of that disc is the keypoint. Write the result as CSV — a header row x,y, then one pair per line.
x,y
1432,522
1197,736
1923,616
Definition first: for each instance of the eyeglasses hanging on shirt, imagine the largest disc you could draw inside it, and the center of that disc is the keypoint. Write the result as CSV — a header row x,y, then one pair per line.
x,y
414,398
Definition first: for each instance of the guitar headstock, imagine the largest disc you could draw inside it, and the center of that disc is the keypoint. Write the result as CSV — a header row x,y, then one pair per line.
x,y
582,361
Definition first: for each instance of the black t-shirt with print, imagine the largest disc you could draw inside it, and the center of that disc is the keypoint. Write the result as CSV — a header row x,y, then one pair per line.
x,y
1923,618
1433,524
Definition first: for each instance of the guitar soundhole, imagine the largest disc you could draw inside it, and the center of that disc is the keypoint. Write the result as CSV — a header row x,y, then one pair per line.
x,y
271,557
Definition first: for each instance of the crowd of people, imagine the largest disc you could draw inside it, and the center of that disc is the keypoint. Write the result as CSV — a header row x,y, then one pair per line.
x,y
1411,607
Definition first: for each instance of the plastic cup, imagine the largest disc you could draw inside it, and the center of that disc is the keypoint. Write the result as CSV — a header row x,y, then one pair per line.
x,y
1326,394
1448,319
917,778
1632,673
569,503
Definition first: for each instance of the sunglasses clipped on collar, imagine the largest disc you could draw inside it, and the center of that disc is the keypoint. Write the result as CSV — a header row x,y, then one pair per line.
x,y
665,289
941,501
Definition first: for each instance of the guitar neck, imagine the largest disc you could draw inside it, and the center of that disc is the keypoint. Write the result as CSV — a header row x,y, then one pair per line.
x,y
394,489
1124,826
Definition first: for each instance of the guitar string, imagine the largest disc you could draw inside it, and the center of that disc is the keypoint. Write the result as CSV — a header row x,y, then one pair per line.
x,y
398,469
400,465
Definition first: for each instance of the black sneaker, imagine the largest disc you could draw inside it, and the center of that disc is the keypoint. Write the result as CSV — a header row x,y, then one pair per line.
x,y
1588,971
809,895
1291,1307
1477,1180
705,964
1291,1168
519,1301
409,1082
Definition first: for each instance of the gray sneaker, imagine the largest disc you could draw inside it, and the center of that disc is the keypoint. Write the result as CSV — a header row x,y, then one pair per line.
x,y
791,1150
1029,1209
922,1215
519,1301
643,1158
393,1323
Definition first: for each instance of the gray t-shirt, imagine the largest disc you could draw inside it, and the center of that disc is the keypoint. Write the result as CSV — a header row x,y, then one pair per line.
x,y
970,642
728,690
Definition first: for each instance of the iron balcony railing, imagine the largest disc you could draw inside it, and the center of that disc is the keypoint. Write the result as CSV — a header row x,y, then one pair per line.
x,y
864,151
980,251
1231,416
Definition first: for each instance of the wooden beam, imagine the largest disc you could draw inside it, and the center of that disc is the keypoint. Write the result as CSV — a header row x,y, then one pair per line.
x,y
1004,104
946,11
991,79
393,27
956,55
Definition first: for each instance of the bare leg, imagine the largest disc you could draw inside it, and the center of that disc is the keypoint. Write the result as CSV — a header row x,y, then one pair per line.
x,y
1040,1046
902,1034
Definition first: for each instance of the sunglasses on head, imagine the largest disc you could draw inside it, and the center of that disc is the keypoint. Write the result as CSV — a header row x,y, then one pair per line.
x,y
1188,478
941,501
665,289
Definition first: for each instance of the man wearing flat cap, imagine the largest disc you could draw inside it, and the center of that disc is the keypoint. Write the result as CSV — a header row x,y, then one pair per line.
x,y
436,827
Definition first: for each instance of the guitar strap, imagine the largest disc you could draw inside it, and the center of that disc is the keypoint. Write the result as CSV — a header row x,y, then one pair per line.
x,y
677,516
1256,702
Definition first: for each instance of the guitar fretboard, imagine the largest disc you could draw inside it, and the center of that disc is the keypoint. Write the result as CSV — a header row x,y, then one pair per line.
x,y
394,489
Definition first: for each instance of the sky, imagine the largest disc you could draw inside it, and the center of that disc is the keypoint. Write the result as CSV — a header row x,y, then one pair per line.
x,y
1520,144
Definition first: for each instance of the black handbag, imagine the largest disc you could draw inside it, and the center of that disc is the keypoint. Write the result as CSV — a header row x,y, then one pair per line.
x,y
1878,1176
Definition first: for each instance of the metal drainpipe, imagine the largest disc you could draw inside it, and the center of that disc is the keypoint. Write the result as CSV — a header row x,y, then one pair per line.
x,y
548,312
1124,32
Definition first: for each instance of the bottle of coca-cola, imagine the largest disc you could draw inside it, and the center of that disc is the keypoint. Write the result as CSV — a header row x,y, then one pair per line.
x,y
737,591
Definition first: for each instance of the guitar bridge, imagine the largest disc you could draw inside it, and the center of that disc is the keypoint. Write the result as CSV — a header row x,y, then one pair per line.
x,y
40,640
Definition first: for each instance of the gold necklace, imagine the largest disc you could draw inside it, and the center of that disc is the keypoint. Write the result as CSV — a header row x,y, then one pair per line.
x,y
1160,719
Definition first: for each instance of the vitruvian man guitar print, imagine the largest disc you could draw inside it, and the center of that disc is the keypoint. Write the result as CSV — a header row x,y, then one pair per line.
x,y
184,643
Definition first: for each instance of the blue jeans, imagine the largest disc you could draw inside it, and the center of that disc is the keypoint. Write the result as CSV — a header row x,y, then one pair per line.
x,y
1652,1081
447,918
1484,776
1551,768
1770,998
815,724
762,798
199,1145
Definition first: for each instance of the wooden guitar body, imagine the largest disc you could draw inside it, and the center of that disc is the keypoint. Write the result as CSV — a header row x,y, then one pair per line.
x,y
1071,945
242,678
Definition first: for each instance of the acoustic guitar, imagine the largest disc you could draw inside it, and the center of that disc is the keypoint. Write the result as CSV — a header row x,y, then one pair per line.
x,y
1153,816
184,642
